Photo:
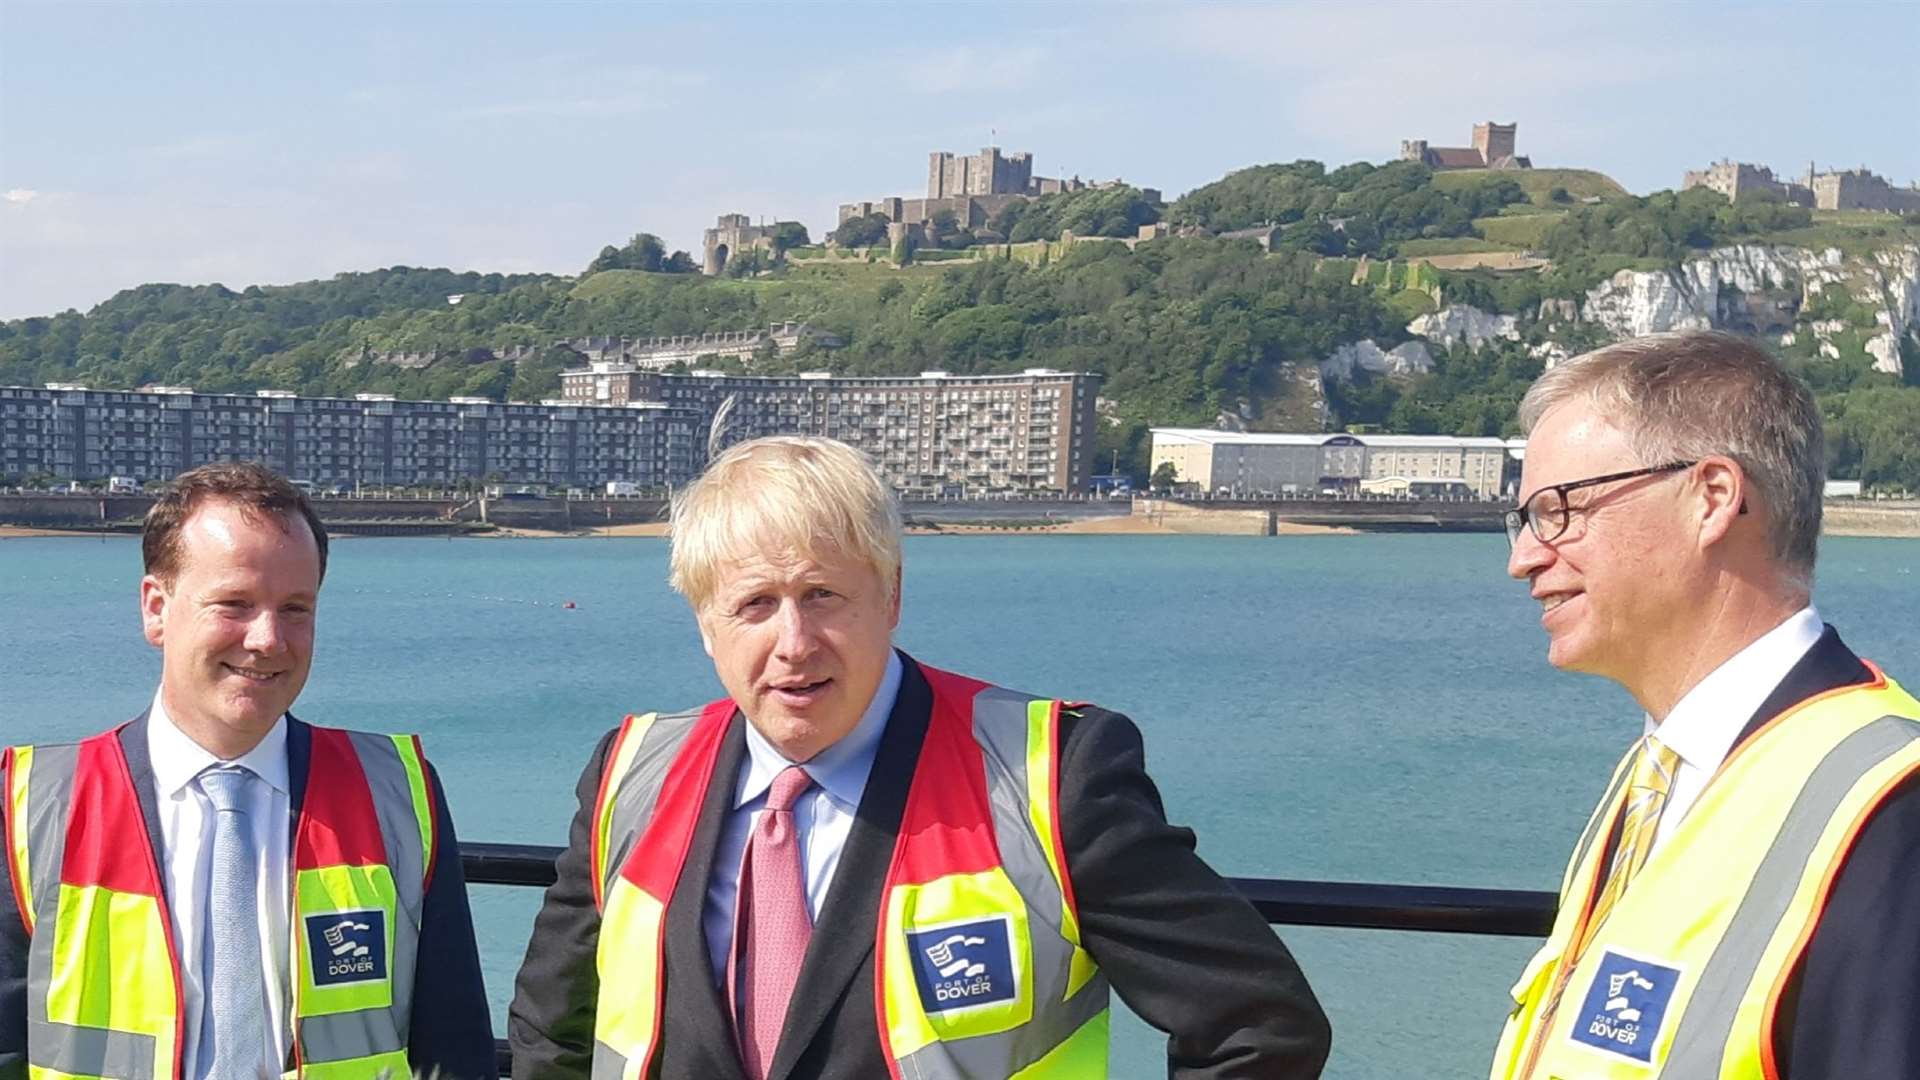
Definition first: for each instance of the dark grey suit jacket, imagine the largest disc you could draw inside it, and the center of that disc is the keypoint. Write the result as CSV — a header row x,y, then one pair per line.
x,y
451,1029
1183,949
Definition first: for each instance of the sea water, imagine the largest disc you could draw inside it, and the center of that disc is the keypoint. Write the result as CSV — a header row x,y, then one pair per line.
x,y
1361,708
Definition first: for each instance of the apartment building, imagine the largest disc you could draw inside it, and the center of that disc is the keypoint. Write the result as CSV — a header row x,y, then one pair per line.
x,y
930,434
75,433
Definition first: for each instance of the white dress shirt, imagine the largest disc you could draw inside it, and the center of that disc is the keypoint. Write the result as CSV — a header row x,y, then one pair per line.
x,y
823,815
1702,727
186,834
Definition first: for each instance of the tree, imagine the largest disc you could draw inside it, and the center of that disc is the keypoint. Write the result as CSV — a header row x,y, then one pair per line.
x,y
788,235
1165,476
857,232
644,252
680,263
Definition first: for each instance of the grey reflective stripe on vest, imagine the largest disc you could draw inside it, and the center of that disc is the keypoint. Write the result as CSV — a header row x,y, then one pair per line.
x,y
608,1063
363,1033
1000,727
49,795
81,1051
638,789
1700,1041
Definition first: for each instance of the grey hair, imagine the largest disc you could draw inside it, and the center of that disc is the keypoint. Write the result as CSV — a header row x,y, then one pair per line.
x,y
1687,395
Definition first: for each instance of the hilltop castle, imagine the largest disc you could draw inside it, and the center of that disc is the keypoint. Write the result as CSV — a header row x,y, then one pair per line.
x,y
1849,189
1492,149
973,187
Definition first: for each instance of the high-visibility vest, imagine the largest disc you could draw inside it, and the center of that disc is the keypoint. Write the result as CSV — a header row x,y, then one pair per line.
x,y
103,978
1683,979
979,969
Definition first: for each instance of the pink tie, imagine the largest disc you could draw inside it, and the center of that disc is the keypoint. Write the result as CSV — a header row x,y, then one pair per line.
x,y
771,925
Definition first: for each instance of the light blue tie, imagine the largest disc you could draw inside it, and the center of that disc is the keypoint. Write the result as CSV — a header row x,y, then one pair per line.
x,y
233,1019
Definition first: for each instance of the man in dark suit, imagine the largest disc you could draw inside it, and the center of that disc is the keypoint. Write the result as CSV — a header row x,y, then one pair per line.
x,y
236,893
1743,902
856,864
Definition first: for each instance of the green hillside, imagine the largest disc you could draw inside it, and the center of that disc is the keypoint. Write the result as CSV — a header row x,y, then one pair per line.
x,y
1184,328
1540,185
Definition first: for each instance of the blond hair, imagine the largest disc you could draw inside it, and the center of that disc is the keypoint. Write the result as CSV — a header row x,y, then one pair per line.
x,y
811,496
1684,396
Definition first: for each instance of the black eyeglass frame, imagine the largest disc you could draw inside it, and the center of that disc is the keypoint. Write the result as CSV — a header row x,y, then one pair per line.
x,y
1518,518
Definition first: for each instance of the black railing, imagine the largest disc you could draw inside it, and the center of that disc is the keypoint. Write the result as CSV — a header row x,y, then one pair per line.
x,y
1438,909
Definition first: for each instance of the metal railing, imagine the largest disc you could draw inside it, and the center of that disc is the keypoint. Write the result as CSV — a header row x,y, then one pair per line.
x,y
1355,905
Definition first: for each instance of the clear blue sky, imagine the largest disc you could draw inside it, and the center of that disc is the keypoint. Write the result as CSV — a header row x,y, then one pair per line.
x,y
275,142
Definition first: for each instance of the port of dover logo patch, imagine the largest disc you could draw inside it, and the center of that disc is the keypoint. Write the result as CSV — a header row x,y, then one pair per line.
x,y
961,965
347,947
1625,1006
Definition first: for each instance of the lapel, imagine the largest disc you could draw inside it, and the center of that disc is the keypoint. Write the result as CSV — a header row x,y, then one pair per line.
x,y
1829,664
299,757
133,744
691,996
849,921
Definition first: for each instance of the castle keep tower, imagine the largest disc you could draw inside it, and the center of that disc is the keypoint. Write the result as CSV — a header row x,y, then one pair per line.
x,y
1494,141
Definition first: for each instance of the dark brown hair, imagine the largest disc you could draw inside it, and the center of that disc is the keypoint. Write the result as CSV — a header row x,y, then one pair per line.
x,y
257,490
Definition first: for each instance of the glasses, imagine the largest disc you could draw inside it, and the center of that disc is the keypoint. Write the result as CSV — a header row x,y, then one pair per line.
x,y
1546,511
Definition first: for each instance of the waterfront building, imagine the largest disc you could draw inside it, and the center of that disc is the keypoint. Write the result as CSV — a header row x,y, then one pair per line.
x,y
74,433
1277,463
931,434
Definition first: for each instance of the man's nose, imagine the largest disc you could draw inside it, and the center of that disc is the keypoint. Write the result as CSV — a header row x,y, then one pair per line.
x,y
795,636
265,634
1528,555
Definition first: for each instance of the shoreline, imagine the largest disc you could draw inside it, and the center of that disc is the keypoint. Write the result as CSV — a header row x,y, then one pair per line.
x,y
1890,524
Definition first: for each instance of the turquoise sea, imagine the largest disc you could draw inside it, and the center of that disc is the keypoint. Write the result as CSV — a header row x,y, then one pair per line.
x,y
1369,708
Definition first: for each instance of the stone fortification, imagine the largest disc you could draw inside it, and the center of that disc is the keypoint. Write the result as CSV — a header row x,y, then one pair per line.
x,y
1493,148
1735,179
972,187
1847,189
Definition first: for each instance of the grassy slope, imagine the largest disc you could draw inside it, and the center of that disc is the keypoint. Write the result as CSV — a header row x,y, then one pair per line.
x,y
1854,232
1580,183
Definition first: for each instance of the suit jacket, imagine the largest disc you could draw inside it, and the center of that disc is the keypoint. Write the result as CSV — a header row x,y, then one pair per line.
x,y
451,1029
1184,950
1849,1005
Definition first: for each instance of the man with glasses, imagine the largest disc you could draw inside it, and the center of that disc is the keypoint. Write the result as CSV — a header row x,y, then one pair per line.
x,y
1743,901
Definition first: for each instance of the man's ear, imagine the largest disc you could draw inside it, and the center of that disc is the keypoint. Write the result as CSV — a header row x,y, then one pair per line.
x,y
154,599
893,616
1720,487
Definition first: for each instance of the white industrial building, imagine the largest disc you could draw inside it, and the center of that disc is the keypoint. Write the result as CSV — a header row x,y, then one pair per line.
x,y
1275,463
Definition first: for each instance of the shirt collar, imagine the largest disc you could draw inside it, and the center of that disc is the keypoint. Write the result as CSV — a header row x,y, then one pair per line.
x,y
841,769
178,760
1703,726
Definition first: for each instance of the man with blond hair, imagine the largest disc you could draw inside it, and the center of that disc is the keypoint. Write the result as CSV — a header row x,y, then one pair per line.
x,y
856,865
1742,904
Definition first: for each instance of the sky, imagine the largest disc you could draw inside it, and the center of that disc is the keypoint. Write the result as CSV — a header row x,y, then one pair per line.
x,y
273,142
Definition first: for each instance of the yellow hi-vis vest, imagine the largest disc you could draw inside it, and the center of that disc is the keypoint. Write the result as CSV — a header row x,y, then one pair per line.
x,y
103,979
979,969
1683,979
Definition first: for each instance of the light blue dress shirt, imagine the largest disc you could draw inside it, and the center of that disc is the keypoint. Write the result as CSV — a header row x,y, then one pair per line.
x,y
823,816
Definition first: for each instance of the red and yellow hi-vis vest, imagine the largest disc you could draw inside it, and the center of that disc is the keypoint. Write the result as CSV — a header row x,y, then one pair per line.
x,y
1684,977
103,980
979,968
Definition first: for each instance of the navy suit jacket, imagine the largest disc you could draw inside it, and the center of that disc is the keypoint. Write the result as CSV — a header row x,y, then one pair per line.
x,y
1848,1008
451,1029
1185,951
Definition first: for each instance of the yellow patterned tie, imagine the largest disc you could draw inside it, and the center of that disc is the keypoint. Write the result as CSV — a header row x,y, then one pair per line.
x,y
1646,797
